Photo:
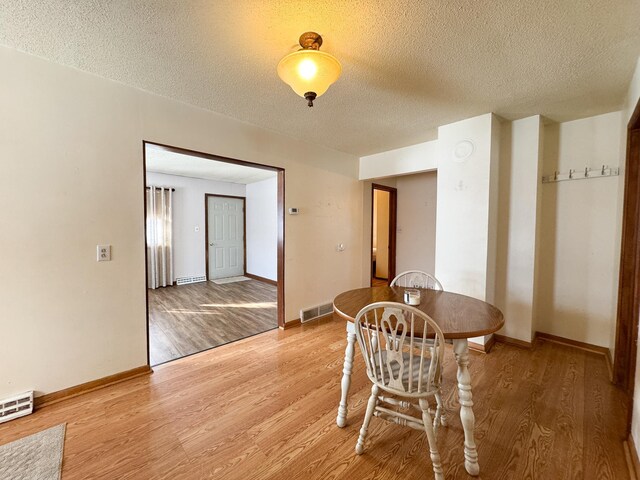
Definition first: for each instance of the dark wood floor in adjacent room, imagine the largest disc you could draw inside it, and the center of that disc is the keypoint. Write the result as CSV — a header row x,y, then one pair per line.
x,y
265,408
186,319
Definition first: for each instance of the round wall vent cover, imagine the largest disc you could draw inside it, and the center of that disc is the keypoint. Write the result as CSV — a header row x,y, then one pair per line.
x,y
463,150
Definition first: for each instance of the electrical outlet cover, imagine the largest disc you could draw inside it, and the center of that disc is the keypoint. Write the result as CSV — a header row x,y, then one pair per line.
x,y
104,253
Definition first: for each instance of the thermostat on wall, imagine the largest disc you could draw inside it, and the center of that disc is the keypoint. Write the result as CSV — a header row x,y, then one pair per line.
x,y
293,211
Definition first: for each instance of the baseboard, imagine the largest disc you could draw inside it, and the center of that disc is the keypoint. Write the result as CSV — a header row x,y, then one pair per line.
x,y
486,348
574,343
55,397
512,341
631,457
261,279
291,324
297,322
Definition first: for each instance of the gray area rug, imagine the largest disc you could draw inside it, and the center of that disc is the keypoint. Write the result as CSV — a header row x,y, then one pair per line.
x,y
36,457
222,281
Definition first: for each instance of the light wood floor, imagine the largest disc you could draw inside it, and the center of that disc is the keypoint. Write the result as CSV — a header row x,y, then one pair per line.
x,y
186,319
265,408
378,282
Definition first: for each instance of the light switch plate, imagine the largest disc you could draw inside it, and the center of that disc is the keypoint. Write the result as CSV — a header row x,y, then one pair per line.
x,y
104,253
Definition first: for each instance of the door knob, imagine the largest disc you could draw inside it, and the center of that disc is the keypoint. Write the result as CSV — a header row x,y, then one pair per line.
x,y
211,244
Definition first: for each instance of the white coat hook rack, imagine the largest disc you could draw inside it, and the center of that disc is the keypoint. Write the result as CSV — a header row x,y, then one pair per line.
x,y
573,174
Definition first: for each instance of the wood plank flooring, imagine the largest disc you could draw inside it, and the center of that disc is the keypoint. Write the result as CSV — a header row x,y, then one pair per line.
x,y
265,407
186,319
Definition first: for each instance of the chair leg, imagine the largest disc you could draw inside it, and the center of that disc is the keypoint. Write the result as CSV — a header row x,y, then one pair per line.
x,y
371,405
441,410
431,437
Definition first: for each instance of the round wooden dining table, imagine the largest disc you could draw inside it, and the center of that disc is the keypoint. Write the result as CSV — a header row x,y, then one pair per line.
x,y
459,317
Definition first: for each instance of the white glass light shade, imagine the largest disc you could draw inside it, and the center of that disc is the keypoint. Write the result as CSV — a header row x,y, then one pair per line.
x,y
309,71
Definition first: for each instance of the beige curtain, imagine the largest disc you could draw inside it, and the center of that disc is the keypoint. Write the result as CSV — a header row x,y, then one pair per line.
x,y
159,237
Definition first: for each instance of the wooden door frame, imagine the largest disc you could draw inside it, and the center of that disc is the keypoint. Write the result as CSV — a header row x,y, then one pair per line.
x,y
206,230
624,366
280,221
393,220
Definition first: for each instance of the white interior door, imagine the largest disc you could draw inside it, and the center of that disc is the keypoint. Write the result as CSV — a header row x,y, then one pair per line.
x,y
225,227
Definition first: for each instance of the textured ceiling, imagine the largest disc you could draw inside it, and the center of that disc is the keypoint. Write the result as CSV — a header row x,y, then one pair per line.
x,y
408,65
160,160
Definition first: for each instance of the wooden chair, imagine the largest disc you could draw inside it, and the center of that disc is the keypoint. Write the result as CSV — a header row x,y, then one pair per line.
x,y
403,350
416,279
419,279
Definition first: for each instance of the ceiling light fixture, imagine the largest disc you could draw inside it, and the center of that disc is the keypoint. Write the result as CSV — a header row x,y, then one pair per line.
x,y
309,72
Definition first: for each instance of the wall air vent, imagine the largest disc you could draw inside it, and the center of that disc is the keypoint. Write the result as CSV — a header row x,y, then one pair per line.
x,y
186,280
16,406
316,312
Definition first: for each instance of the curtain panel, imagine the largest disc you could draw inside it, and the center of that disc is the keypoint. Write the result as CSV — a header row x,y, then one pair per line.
x,y
159,237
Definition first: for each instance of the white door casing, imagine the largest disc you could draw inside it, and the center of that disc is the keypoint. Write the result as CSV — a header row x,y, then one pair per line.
x,y
225,235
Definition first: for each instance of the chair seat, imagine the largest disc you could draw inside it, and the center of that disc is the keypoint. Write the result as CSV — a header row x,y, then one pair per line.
x,y
395,368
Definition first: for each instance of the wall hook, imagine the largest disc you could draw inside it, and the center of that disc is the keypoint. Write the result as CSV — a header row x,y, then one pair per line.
x,y
589,173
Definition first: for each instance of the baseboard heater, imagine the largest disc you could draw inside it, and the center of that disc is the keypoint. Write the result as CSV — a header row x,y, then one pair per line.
x,y
186,280
16,406
315,312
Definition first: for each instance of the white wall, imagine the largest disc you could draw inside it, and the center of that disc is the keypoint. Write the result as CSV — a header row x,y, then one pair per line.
x,y
466,219
189,257
422,157
262,228
518,224
71,153
508,236
416,236
463,230
578,274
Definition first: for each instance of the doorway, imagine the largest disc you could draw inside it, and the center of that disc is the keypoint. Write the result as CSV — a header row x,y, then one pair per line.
x,y
225,236
234,287
384,202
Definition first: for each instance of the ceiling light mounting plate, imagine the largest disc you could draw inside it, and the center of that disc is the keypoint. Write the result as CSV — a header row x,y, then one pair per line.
x,y
310,41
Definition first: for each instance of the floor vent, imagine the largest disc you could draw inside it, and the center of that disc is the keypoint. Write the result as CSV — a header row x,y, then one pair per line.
x,y
315,312
185,280
17,406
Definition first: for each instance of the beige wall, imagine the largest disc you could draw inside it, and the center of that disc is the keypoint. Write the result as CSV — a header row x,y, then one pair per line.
x,y
416,235
71,153
578,275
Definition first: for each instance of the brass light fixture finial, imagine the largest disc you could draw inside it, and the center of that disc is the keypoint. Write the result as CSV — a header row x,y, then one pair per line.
x,y
309,72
